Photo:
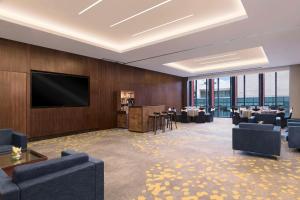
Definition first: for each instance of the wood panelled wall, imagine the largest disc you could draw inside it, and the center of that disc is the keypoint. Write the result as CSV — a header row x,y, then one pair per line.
x,y
106,79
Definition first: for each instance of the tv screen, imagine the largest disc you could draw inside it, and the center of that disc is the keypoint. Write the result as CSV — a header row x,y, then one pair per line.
x,y
58,90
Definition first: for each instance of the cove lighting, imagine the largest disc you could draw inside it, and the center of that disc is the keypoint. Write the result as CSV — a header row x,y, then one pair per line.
x,y
245,58
156,27
45,23
223,66
142,12
215,57
219,61
89,7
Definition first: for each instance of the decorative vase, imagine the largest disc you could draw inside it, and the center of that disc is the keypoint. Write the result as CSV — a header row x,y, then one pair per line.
x,y
16,153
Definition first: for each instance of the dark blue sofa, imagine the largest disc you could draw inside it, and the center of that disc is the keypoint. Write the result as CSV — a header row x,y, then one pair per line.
x,y
71,177
267,118
257,138
293,137
9,138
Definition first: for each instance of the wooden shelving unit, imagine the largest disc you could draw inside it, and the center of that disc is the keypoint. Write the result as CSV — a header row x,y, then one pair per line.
x,y
125,99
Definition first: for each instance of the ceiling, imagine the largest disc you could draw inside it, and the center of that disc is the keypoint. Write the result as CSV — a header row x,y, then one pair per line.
x,y
236,60
162,35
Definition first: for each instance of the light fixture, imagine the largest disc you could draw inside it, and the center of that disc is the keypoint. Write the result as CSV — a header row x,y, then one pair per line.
x,y
142,12
219,61
222,66
215,57
156,27
89,7
246,58
41,22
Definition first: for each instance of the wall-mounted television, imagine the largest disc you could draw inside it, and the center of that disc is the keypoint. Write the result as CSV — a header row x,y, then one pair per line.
x,y
59,90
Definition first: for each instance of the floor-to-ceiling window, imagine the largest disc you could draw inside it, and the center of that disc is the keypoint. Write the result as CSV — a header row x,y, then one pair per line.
x,y
270,89
277,89
283,94
216,96
200,93
240,91
251,90
222,96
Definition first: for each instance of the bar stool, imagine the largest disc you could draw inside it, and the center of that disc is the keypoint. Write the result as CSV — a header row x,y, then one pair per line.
x,y
164,117
172,116
155,117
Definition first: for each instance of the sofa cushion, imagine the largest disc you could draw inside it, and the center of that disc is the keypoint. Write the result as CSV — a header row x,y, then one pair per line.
x,y
254,126
5,136
31,171
5,149
293,123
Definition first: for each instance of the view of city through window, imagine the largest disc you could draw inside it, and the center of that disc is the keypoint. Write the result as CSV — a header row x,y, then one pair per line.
x,y
275,94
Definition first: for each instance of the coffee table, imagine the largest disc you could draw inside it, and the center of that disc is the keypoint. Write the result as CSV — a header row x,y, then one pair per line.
x,y
7,164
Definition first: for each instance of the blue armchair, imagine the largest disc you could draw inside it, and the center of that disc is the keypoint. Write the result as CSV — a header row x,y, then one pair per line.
x,y
9,138
257,138
73,176
293,137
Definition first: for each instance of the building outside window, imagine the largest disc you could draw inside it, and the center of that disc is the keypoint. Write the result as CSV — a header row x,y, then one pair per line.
x,y
270,89
251,90
223,97
276,92
201,94
240,91
283,94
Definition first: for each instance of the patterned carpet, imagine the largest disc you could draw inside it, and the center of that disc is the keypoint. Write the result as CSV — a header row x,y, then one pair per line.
x,y
193,162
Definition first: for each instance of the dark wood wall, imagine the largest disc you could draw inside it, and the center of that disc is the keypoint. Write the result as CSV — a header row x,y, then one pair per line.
x,y
106,78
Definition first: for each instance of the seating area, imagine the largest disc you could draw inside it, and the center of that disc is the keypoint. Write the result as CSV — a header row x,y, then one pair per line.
x,y
149,100
198,115
73,176
261,115
10,138
163,120
257,138
293,136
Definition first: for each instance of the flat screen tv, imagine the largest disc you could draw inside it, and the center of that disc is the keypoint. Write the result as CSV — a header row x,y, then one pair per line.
x,y
59,90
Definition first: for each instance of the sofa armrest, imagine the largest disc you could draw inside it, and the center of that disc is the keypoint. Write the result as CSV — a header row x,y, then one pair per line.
x,y
293,123
293,120
8,190
19,140
68,153
99,176
99,173
294,136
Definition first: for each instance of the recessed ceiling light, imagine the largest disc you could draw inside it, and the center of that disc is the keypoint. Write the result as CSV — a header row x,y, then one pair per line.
x,y
142,12
37,21
215,57
89,7
156,27
219,61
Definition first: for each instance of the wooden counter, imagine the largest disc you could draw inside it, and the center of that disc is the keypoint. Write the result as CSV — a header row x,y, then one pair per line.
x,y
138,117
122,119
